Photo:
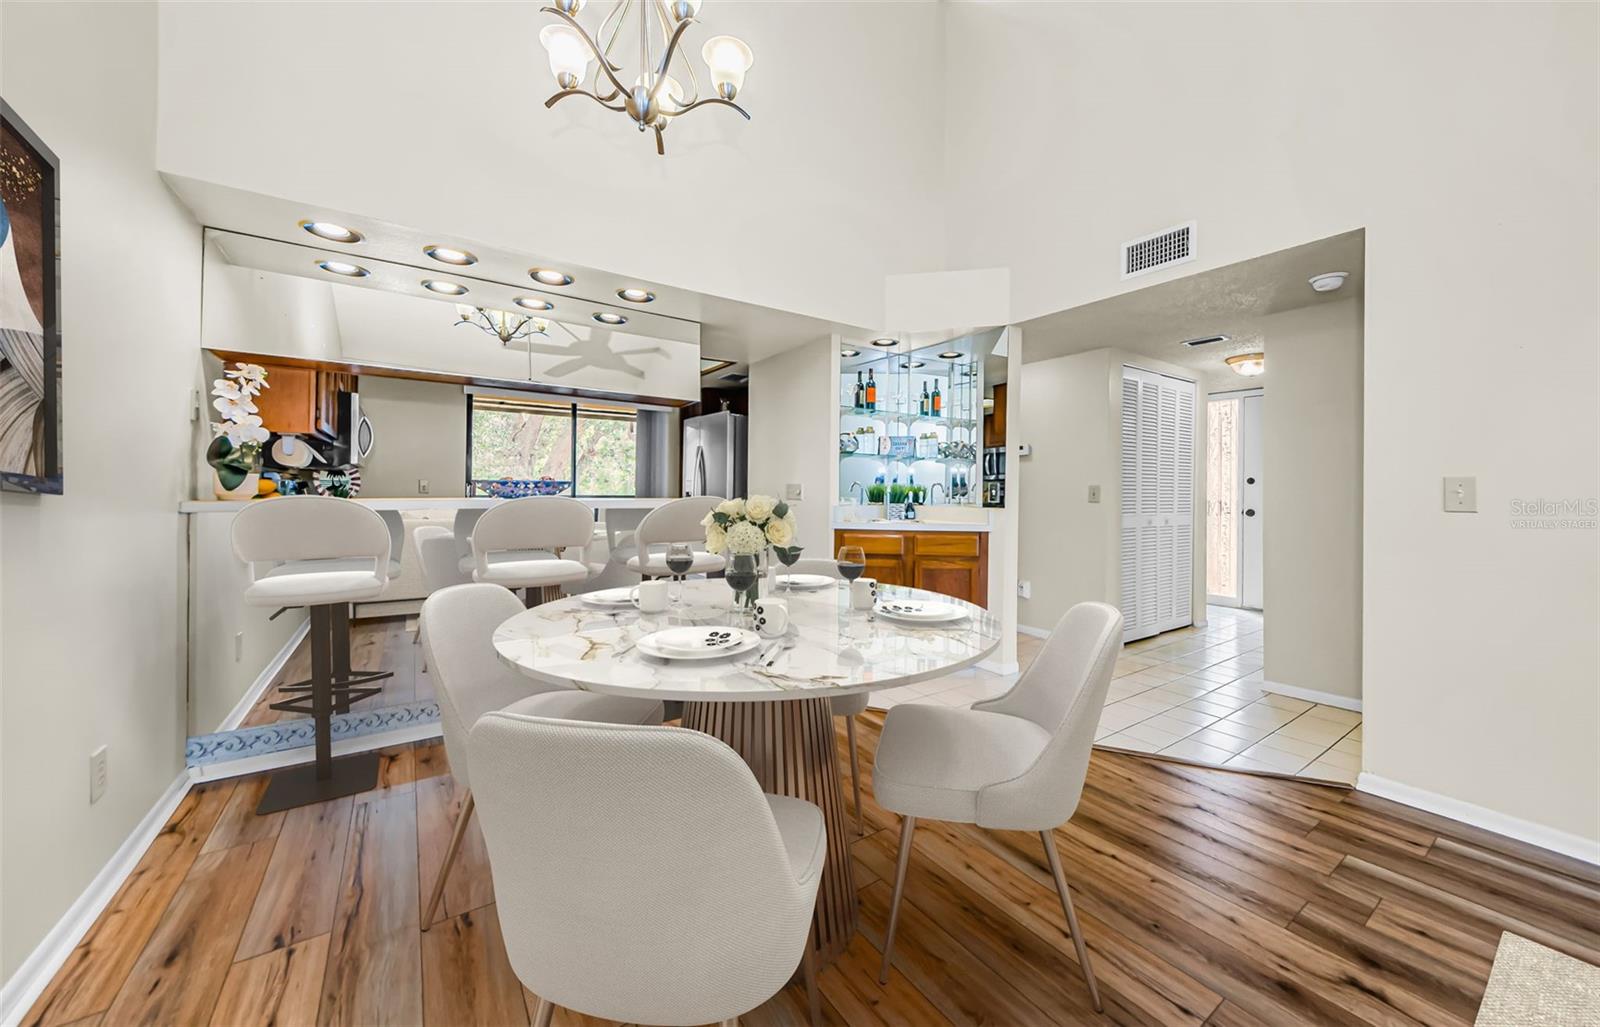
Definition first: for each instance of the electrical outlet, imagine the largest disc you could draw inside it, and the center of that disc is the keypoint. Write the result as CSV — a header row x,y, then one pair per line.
x,y
1094,493
1023,449
1025,590
99,774
794,491
423,486
238,646
1461,495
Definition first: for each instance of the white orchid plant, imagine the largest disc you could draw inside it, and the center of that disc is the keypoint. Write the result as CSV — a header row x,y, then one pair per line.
x,y
235,450
745,527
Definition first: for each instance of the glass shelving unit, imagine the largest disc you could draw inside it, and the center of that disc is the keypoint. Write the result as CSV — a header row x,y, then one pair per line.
x,y
899,441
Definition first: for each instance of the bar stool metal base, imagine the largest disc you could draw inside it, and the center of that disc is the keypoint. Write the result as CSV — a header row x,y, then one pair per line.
x,y
300,786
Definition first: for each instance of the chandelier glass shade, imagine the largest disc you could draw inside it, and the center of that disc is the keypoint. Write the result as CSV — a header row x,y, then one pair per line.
x,y
506,327
657,94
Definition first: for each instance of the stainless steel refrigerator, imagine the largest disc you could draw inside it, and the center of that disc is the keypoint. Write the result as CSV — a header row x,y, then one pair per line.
x,y
714,455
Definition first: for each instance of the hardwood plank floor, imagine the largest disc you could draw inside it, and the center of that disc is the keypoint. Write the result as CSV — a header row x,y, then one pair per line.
x,y
1206,898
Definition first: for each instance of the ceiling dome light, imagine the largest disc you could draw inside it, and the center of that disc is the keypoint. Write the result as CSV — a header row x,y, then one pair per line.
x,y
1328,282
849,353
546,276
533,303
1248,364
885,342
950,354
332,232
339,267
446,255
444,288
608,318
636,295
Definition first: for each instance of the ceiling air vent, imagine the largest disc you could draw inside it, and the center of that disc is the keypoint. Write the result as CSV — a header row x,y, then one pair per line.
x,y
1205,340
736,377
1163,249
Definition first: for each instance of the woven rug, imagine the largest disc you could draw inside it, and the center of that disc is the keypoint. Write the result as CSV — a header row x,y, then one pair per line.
x,y
1534,986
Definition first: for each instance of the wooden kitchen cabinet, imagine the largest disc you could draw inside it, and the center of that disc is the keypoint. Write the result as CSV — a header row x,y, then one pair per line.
x,y
994,425
302,400
954,563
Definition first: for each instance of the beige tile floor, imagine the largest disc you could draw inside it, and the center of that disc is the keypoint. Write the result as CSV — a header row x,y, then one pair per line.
x,y
1192,694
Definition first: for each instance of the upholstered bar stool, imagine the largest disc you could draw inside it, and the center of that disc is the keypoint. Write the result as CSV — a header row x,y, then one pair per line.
x,y
677,521
521,543
329,553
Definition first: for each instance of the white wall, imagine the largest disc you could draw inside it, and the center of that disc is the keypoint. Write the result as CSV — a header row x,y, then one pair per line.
x,y
806,207
419,431
792,399
92,581
260,312
1311,491
1463,140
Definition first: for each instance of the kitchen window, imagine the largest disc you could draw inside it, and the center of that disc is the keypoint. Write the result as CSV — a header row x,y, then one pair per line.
x,y
593,446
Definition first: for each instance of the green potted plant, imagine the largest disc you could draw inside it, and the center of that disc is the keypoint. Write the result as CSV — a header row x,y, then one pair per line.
x,y
898,494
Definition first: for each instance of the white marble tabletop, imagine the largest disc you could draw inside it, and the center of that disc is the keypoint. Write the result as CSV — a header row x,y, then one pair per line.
x,y
829,649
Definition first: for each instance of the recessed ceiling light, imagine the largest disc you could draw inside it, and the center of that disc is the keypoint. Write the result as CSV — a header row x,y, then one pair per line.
x,y
636,295
949,354
608,318
1205,340
1248,364
339,267
331,232
445,288
446,255
908,365
849,353
1328,282
545,276
530,303
885,342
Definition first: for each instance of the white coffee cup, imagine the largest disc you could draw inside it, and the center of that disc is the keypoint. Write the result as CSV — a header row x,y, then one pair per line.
x,y
863,593
651,596
772,616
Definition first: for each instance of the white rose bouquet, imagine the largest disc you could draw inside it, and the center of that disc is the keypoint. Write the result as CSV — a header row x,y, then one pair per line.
x,y
745,527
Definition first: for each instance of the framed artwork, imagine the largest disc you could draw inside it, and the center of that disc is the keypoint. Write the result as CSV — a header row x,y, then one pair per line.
x,y
30,310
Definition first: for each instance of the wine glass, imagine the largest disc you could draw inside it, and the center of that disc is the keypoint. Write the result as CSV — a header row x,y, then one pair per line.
x,y
852,561
788,556
679,560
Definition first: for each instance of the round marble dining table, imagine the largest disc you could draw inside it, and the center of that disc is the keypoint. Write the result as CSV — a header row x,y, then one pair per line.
x,y
771,704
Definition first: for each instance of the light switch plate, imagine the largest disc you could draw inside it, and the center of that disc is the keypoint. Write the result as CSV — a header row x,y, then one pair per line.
x,y
423,486
1461,495
1094,493
1024,590
99,774
794,491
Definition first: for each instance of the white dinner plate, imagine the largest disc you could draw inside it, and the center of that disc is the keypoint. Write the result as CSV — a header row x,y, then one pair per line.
x,y
702,643
805,582
609,597
913,611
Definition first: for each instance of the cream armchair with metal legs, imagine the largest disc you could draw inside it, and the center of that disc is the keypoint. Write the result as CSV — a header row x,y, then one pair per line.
x,y
640,874
1014,763
457,625
677,521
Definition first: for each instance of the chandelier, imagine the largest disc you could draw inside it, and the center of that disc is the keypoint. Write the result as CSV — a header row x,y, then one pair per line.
x,y
655,97
506,327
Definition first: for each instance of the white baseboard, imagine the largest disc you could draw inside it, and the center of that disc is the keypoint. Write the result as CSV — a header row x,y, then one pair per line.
x,y
247,702
1344,702
1023,629
305,753
1576,846
26,985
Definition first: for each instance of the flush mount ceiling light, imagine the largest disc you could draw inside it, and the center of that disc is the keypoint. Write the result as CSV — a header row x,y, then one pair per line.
x,y
546,276
444,288
1248,364
849,353
1328,282
1205,340
504,326
332,232
910,365
636,295
530,303
446,255
949,354
608,318
885,342
655,97
339,267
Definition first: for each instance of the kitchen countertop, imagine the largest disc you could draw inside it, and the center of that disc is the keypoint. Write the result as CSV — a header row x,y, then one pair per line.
x,y
194,506
917,525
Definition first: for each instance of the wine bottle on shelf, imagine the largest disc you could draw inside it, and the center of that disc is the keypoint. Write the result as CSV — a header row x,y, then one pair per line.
x,y
872,392
938,401
861,392
926,403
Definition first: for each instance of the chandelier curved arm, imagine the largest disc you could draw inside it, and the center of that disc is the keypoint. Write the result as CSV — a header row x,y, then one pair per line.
x,y
619,11
600,58
716,100
661,143
672,45
563,94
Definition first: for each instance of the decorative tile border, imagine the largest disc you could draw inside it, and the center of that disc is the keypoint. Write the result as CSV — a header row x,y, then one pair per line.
x,y
245,742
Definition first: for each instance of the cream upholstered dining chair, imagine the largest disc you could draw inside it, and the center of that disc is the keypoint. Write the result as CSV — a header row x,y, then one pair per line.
x,y
677,521
458,625
1013,763
521,543
436,551
639,872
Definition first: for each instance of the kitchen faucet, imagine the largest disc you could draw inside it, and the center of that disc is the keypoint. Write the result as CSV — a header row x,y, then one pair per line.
x,y
938,485
861,498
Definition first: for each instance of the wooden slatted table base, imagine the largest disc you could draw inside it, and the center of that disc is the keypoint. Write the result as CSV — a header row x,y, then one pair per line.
x,y
789,745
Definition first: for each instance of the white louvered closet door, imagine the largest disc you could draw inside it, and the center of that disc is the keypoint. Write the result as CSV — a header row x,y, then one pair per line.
x,y
1158,415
